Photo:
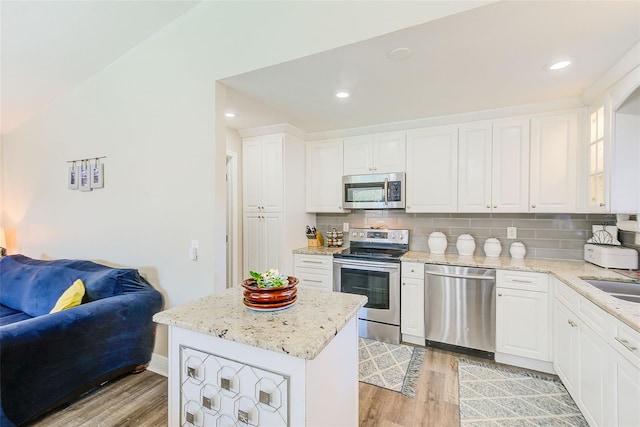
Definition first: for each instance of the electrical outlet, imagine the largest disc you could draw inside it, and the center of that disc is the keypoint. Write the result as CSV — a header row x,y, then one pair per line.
x,y
345,226
512,233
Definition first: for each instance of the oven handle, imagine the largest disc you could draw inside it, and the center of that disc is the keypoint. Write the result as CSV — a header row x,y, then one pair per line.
x,y
385,265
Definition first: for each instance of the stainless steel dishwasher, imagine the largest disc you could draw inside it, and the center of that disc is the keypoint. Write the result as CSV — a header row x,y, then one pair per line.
x,y
460,309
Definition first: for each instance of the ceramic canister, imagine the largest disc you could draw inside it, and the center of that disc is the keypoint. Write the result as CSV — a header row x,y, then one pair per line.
x,y
465,244
517,250
492,247
437,242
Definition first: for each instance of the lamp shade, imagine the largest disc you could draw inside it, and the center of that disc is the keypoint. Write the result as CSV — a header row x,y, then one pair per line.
x,y
3,240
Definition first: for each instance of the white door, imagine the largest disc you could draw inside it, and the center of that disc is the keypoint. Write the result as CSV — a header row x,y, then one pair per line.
x,y
252,170
272,173
358,155
554,145
565,345
510,166
522,323
432,170
324,176
594,373
253,242
389,152
412,303
474,168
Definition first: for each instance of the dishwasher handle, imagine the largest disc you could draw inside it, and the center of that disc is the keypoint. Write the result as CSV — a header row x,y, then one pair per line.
x,y
461,276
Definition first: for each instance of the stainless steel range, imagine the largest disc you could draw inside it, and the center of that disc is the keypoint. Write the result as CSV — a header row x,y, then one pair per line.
x,y
371,267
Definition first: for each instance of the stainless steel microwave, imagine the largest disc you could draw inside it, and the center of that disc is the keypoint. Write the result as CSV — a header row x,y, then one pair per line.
x,y
376,191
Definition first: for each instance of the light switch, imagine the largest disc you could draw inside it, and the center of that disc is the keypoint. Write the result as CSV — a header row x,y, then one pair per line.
x,y
512,233
193,250
345,226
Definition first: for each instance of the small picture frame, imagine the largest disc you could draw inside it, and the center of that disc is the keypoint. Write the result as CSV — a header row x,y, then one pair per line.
x,y
84,176
72,177
97,174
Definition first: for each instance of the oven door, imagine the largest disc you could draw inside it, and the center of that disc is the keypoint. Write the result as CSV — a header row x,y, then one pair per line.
x,y
378,281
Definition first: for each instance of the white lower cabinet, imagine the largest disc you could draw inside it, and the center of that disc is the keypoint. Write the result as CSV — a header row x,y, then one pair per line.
x,y
412,302
523,328
597,358
314,271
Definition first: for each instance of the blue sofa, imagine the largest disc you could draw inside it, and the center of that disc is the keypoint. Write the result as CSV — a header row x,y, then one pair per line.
x,y
50,359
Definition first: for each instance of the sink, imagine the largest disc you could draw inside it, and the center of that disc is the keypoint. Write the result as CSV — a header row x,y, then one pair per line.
x,y
621,290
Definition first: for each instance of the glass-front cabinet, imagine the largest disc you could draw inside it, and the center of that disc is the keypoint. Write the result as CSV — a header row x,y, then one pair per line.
x,y
597,183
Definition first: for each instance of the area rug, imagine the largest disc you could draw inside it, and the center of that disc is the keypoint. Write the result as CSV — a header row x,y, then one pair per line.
x,y
390,366
495,396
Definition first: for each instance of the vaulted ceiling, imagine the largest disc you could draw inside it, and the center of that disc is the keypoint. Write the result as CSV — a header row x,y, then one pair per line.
x,y
486,58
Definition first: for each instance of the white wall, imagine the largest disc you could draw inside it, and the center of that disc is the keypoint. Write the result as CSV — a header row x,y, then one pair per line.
x,y
157,117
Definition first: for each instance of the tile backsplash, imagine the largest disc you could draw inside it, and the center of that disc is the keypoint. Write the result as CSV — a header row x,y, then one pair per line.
x,y
555,236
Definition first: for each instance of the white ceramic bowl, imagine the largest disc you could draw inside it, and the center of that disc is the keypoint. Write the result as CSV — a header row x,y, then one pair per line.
x,y
492,247
465,244
437,242
517,250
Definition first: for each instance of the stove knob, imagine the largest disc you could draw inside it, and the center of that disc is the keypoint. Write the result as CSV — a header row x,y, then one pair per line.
x,y
393,236
361,234
354,234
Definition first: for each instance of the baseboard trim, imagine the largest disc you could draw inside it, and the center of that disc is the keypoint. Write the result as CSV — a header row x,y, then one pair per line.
x,y
525,362
159,364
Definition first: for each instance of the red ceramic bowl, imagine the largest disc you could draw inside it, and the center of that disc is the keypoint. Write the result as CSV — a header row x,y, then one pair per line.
x,y
256,295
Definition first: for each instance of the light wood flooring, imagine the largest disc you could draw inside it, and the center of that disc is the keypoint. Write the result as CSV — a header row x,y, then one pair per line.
x,y
141,401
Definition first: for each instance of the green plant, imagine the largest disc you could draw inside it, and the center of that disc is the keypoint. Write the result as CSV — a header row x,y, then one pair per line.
x,y
269,279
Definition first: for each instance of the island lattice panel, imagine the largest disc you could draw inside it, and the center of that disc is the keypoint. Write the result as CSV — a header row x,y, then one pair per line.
x,y
220,392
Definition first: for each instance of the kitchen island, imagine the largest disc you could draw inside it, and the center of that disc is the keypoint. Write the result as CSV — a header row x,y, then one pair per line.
x,y
294,367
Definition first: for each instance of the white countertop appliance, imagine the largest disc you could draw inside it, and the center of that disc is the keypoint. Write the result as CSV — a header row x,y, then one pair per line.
x,y
608,256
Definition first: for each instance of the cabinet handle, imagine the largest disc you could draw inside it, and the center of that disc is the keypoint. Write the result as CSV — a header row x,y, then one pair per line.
x,y
602,205
533,206
311,280
626,344
572,323
521,281
312,262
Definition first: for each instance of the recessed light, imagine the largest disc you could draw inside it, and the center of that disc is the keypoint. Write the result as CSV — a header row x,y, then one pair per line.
x,y
400,54
342,94
560,65
229,115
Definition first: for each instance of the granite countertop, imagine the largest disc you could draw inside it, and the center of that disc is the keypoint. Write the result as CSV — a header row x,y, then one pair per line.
x,y
302,330
320,250
568,272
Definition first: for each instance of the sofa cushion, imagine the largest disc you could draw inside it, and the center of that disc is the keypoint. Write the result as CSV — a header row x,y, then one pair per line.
x,y
72,297
8,315
33,286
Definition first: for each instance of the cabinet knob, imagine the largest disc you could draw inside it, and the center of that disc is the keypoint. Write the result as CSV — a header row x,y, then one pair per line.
x,y
404,284
495,206
572,323
533,206
488,206
602,205
499,295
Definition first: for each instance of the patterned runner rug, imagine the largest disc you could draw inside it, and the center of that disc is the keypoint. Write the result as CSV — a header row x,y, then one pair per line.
x,y
394,367
495,396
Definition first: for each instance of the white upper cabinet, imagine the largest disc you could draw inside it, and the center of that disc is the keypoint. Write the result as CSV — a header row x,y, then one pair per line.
x,y
597,178
554,144
378,153
625,144
494,167
474,168
510,166
432,169
263,165
324,176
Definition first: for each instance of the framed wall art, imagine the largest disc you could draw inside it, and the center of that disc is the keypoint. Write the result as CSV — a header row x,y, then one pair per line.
x,y
97,174
72,177
85,179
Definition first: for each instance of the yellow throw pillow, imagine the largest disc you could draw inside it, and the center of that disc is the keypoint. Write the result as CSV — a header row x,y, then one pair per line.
x,y
70,298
